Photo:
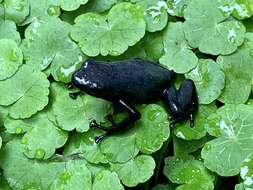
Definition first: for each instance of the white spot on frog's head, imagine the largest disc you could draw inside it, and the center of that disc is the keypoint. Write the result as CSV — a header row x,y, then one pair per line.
x,y
85,64
231,35
85,82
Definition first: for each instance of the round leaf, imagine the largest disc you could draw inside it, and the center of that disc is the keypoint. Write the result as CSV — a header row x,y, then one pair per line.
x,y
178,55
225,154
208,29
11,58
209,80
120,148
111,34
42,140
135,171
25,93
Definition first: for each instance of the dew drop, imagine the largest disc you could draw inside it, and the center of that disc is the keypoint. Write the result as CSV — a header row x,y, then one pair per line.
x,y
40,153
99,177
24,141
208,147
14,55
65,177
18,130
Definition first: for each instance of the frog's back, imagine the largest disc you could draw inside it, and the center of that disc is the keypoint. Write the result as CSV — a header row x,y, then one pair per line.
x,y
139,81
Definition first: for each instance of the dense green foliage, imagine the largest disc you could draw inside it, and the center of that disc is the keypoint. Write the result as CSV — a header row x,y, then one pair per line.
x,y
45,139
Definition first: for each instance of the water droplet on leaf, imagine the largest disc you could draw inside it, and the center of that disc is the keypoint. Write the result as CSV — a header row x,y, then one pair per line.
x,y
14,55
18,130
39,154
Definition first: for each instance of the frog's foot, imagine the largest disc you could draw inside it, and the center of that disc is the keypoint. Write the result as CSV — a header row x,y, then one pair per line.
x,y
98,139
94,124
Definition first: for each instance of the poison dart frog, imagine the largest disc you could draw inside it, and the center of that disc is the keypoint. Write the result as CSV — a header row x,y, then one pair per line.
x,y
128,83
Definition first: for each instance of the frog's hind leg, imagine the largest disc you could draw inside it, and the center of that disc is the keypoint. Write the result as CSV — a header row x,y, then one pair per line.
x,y
134,115
182,104
188,99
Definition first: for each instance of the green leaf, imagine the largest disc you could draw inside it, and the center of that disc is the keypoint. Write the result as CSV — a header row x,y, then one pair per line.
x,y
178,54
238,70
152,129
209,80
184,131
77,114
42,140
155,14
85,144
69,5
25,93
16,10
107,180
24,173
209,29
8,29
48,43
176,8
191,173
120,148
11,58
41,10
3,184
75,176
135,171
97,34
0,142
246,172
225,154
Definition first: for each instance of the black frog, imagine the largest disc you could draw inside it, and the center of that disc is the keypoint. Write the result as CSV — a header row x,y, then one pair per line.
x,y
131,82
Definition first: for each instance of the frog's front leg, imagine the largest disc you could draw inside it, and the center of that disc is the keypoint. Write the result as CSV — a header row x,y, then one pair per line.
x,y
182,104
134,115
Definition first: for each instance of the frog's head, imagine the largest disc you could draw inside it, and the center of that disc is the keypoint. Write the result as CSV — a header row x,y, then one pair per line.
x,y
89,78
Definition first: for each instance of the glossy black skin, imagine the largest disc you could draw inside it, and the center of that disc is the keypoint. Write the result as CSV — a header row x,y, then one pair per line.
x,y
131,82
